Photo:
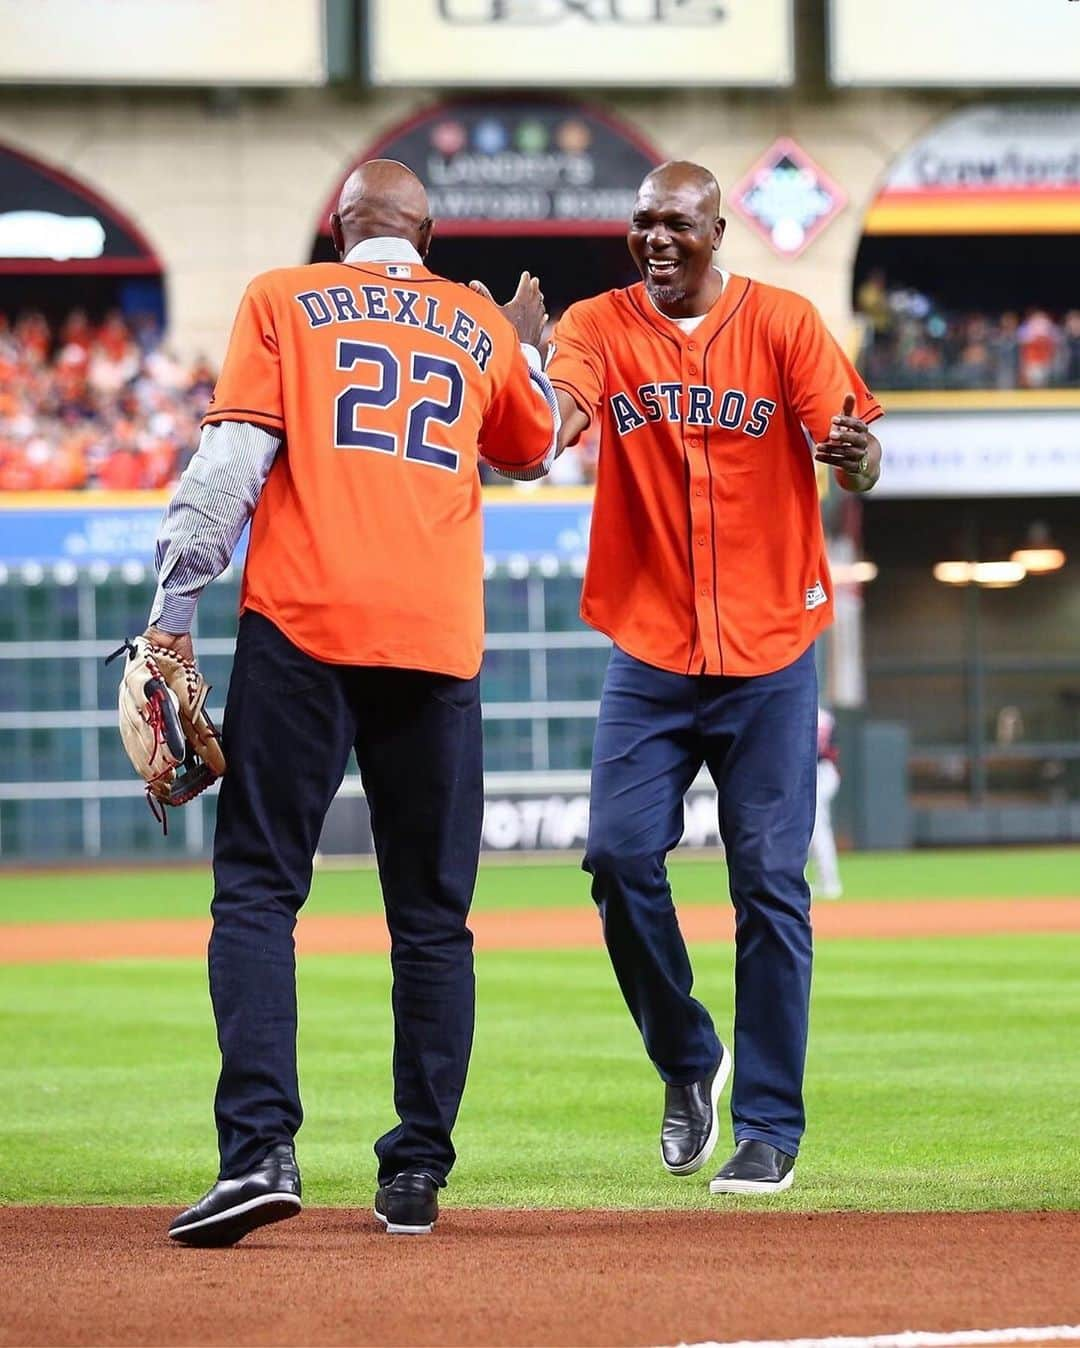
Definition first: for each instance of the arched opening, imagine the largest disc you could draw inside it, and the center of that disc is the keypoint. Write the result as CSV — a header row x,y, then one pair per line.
x,y
89,394
966,273
63,247
966,286
518,184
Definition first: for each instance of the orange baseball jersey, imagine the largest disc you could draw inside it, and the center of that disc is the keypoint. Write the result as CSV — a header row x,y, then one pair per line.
x,y
386,382
707,554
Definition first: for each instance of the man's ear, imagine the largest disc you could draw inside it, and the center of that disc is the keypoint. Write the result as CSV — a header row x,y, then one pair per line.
x,y
423,237
337,234
718,232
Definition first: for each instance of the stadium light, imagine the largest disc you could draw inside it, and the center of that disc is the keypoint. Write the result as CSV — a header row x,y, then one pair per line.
x,y
1037,555
997,575
954,573
1039,560
854,573
991,575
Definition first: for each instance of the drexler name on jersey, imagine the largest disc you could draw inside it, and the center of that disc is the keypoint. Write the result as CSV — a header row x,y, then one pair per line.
x,y
397,304
691,405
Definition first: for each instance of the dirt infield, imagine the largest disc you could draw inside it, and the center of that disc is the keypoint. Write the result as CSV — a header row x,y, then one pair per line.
x,y
534,929
109,1276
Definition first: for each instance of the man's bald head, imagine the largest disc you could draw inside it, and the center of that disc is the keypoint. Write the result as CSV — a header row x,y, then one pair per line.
x,y
381,199
681,178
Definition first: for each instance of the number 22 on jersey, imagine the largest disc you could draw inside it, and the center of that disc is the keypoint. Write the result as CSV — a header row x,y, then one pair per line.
x,y
441,387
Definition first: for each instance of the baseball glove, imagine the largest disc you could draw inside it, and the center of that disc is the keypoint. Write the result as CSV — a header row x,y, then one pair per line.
x,y
171,741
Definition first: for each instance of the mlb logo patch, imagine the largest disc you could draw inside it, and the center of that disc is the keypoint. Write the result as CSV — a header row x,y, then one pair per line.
x,y
398,269
816,597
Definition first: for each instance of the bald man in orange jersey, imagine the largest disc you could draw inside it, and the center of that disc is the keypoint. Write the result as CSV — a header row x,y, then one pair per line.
x,y
707,569
355,400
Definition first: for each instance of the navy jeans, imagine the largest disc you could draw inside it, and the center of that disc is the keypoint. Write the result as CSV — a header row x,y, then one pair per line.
x,y
757,737
290,724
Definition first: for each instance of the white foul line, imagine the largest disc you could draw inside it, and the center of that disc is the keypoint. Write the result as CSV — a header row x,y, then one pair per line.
x,y
914,1338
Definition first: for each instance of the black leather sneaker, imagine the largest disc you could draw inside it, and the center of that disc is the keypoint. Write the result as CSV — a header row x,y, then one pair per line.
x,y
234,1208
691,1124
755,1168
408,1205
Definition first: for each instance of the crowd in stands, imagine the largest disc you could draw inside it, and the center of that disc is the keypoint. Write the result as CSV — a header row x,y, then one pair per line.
x,y
86,404
105,405
910,342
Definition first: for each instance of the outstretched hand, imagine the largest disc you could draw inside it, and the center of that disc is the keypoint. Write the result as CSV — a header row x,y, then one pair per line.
x,y
851,447
525,311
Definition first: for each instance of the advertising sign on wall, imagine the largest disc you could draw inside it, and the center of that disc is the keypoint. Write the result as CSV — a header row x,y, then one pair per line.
x,y
542,43
977,42
787,198
94,527
526,165
209,42
989,453
1010,168
521,821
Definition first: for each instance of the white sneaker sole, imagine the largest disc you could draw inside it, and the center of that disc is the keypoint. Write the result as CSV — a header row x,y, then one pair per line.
x,y
733,1186
692,1166
398,1229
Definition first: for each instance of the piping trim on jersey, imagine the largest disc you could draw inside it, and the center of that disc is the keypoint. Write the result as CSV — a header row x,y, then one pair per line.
x,y
247,411
708,462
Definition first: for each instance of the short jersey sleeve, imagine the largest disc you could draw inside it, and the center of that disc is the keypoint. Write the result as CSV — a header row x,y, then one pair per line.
x,y
576,359
819,374
249,386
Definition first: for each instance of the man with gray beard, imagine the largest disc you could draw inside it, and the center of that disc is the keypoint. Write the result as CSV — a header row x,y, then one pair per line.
x,y
707,569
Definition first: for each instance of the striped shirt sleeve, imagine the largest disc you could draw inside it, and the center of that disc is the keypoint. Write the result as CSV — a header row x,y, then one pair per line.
x,y
541,386
203,522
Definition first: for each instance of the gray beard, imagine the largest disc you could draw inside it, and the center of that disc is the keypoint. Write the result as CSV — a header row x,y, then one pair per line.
x,y
663,294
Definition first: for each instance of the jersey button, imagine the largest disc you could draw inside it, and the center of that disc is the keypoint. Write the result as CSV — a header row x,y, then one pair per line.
x,y
699,491
692,369
701,540
705,592
691,346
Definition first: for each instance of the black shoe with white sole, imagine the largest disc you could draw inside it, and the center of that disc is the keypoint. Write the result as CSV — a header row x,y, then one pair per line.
x,y
755,1168
408,1205
234,1208
691,1124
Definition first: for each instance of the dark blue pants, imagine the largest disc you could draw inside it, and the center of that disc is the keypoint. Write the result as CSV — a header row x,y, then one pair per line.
x,y
290,724
757,737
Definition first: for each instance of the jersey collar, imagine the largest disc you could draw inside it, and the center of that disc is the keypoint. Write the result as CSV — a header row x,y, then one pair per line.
x,y
733,294
383,249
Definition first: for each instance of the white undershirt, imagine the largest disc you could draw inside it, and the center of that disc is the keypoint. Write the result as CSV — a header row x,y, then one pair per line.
x,y
689,324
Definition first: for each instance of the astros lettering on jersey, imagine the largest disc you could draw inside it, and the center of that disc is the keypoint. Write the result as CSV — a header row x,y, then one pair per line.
x,y
385,380
707,554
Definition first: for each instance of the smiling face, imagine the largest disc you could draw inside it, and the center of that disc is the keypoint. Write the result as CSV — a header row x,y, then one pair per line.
x,y
674,231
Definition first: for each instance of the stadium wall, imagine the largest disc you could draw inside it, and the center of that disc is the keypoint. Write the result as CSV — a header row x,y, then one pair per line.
x,y
229,184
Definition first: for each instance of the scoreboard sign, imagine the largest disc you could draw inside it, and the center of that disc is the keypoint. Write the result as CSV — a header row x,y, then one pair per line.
x,y
207,42
985,43
541,43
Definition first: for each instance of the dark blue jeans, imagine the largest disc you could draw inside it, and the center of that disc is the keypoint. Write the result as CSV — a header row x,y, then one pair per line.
x,y
757,737
290,724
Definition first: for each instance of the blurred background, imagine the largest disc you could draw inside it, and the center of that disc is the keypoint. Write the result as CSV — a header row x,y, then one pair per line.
x,y
925,195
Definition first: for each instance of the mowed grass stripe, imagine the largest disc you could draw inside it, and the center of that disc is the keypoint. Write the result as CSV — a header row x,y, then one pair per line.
x,y
92,894
942,1075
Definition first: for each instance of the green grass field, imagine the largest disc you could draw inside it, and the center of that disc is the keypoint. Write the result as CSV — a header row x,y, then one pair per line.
x,y
95,894
943,1073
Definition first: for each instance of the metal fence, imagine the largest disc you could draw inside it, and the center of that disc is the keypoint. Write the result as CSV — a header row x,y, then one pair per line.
x,y
66,787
